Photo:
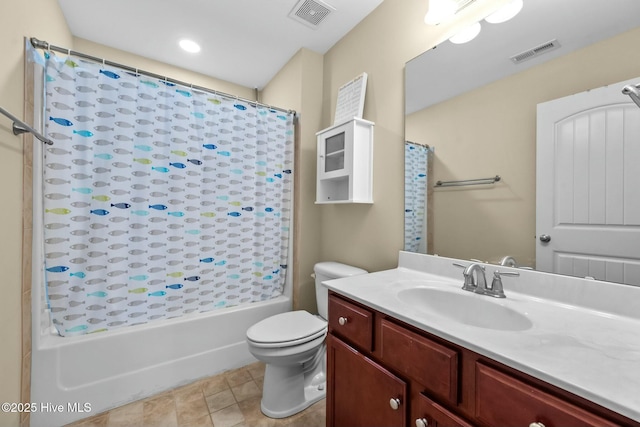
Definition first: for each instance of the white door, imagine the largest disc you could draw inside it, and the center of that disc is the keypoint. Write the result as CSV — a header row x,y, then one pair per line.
x,y
588,185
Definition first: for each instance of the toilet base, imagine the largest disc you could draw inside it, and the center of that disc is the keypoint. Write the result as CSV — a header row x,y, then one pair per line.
x,y
312,394
290,389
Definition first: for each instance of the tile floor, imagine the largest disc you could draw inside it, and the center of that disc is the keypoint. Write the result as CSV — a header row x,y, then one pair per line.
x,y
230,399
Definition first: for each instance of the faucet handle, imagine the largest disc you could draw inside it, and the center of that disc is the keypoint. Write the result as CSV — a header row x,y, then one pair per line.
x,y
497,290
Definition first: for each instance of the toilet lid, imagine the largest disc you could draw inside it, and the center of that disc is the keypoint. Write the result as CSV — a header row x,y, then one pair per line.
x,y
286,327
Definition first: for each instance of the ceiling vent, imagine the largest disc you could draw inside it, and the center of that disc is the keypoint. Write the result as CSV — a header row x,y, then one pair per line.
x,y
536,51
310,12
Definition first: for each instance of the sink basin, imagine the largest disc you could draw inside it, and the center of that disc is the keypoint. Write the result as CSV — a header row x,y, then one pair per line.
x,y
465,307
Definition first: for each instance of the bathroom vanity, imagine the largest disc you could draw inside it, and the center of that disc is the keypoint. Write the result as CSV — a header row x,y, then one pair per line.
x,y
408,347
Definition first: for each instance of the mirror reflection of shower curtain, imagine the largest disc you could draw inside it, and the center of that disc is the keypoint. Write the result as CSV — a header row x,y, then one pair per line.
x,y
416,173
159,200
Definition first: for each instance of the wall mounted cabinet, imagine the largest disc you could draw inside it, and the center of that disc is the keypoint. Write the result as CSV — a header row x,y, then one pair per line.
x,y
345,163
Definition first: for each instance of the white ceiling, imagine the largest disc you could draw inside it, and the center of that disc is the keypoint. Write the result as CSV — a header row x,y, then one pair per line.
x,y
450,70
243,41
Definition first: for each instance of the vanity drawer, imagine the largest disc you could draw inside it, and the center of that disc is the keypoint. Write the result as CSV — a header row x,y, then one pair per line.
x,y
428,413
351,322
432,364
505,400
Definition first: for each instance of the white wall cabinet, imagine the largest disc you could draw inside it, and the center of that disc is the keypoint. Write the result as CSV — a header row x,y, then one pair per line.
x,y
345,163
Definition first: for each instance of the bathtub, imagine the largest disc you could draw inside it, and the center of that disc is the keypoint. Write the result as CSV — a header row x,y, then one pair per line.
x,y
77,377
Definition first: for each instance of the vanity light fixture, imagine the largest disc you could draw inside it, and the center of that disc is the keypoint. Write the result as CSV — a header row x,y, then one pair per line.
x,y
467,34
506,12
189,46
439,11
444,10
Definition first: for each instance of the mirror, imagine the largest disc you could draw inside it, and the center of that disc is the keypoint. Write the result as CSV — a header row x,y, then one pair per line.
x,y
477,109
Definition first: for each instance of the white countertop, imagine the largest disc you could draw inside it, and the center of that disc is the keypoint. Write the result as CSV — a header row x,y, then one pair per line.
x,y
579,341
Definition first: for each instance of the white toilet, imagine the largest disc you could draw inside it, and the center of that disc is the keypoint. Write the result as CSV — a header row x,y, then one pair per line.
x,y
292,347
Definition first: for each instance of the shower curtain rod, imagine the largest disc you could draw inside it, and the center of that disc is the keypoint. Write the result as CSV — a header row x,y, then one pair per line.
x,y
418,144
39,44
20,127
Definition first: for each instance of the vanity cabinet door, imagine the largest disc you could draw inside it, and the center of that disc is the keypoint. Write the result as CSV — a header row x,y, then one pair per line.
x,y
360,392
427,413
502,400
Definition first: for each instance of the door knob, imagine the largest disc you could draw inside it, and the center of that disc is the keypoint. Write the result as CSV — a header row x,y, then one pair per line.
x,y
545,238
421,422
342,321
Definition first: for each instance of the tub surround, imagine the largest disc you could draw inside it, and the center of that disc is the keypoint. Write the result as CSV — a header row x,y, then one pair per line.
x,y
583,336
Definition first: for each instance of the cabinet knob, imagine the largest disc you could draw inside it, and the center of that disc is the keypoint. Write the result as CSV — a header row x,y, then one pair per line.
x,y
342,320
421,422
536,424
394,403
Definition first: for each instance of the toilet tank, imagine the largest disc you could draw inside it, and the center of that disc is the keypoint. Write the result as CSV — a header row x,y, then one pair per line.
x,y
328,271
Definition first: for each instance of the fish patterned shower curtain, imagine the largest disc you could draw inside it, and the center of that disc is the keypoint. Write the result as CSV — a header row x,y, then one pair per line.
x,y
159,200
415,197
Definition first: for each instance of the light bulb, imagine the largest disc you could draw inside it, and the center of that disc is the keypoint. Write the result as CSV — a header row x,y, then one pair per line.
x,y
467,34
506,12
439,11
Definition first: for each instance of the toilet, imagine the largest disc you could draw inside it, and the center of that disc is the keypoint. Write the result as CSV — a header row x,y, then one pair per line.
x,y
292,345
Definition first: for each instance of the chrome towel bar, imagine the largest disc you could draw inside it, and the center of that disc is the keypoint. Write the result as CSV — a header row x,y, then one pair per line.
x,y
20,127
459,183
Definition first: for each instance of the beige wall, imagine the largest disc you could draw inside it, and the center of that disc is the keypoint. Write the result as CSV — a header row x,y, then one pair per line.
x,y
17,21
492,130
299,86
370,236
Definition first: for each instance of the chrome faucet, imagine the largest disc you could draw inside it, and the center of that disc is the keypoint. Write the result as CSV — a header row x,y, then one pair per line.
x,y
477,283
509,261
480,285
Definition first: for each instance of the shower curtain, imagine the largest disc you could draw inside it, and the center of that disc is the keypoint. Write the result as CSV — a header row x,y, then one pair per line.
x,y
415,196
159,200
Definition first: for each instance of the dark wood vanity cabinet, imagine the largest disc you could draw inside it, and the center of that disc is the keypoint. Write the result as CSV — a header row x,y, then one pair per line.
x,y
385,373
360,390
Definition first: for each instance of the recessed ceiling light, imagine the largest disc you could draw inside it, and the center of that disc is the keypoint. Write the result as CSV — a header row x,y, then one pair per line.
x,y
189,45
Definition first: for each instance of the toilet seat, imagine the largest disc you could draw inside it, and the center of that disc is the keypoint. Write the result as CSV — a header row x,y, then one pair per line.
x,y
287,329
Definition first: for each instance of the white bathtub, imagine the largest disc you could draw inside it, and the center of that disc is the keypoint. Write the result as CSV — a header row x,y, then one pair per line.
x,y
112,368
